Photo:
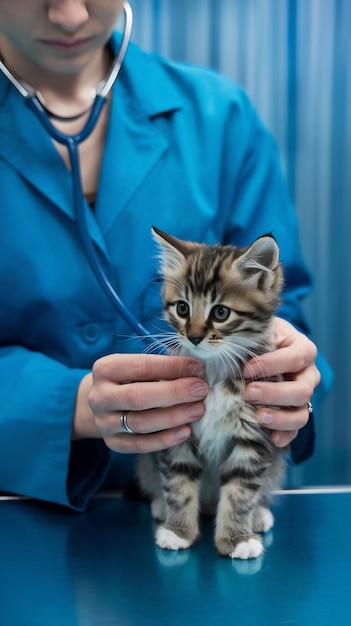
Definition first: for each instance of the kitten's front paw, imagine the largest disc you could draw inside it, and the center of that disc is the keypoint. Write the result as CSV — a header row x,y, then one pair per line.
x,y
250,549
246,547
263,519
168,540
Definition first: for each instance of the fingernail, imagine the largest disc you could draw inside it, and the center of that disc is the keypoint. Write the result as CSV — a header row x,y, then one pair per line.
x,y
247,372
196,369
277,439
199,391
195,411
253,394
182,434
265,418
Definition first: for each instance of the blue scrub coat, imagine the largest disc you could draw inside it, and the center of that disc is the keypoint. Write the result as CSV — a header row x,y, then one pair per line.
x,y
184,151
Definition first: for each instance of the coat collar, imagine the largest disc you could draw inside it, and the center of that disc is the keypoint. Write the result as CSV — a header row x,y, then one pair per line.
x,y
142,92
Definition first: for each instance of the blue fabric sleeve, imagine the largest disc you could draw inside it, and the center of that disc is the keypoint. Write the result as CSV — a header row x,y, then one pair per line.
x,y
37,458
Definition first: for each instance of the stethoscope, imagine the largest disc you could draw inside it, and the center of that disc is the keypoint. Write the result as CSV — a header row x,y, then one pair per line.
x,y
35,102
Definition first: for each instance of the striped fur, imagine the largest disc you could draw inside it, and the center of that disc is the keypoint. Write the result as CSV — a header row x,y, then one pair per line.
x,y
220,300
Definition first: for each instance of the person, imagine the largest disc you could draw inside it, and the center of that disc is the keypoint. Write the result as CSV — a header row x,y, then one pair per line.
x,y
175,146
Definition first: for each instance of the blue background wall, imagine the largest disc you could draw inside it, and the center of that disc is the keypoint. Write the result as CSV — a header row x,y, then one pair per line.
x,y
293,57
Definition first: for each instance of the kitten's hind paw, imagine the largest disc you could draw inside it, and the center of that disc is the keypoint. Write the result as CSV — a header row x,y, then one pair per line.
x,y
168,540
250,549
158,509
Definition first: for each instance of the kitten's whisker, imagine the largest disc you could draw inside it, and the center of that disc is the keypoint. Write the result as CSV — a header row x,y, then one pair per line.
x,y
251,354
228,366
233,360
166,343
161,342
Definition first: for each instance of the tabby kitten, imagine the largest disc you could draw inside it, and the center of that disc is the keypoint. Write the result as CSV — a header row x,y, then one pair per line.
x,y
220,300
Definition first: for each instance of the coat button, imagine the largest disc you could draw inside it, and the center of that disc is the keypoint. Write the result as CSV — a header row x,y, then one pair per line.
x,y
91,332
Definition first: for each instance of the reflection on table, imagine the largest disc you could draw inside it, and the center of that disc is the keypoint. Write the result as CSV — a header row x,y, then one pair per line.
x,y
102,567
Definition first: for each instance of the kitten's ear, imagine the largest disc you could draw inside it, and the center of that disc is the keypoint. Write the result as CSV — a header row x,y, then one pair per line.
x,y
261,259
173,251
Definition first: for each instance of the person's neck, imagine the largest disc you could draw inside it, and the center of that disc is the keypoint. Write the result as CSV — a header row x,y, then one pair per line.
x,y
65,94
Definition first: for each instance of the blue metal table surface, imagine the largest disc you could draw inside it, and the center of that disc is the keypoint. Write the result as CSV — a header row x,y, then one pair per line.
x,y
102,568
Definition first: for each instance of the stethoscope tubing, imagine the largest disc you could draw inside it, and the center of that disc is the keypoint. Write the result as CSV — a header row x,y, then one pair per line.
x,y
89,248
35,105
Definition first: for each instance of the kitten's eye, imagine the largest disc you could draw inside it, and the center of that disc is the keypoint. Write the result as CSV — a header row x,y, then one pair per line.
x,y
182,309
220,313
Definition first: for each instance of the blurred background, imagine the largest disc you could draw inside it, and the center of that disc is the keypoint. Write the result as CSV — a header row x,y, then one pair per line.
x,y
293,58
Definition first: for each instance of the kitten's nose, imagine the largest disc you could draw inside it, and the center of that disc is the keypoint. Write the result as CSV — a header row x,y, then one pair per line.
x,y
195,339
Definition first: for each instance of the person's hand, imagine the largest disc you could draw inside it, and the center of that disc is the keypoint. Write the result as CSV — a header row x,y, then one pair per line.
x,y
162,395
283,405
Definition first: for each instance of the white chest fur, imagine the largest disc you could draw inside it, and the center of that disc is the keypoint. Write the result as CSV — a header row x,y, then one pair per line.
x,y
220,422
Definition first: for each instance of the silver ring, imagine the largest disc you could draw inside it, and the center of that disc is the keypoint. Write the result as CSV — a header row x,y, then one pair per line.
x,y
124,424
310,407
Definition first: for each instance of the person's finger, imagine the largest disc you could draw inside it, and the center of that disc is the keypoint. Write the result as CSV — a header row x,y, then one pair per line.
x,y
283,438
140,444
284,393
146,367
155,420
152,420
283,419
291,359
142,396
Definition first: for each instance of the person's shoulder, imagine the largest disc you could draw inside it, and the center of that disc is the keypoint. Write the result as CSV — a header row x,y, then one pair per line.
x,y
189,81
203,81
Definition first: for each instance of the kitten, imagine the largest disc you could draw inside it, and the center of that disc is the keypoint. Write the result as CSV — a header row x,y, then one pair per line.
x,y
220,300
